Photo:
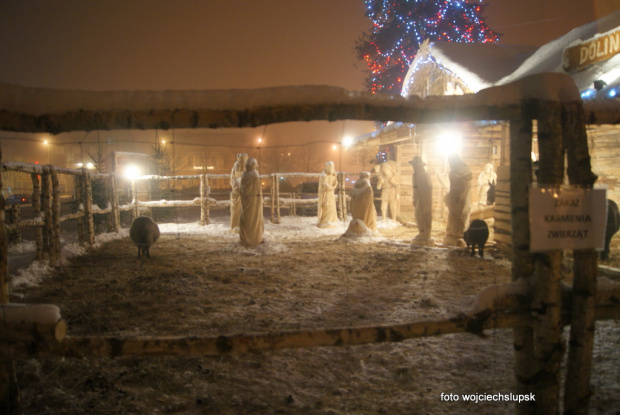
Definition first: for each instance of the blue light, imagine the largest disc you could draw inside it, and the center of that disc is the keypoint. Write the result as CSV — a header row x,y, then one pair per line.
x,y
612,93
588,94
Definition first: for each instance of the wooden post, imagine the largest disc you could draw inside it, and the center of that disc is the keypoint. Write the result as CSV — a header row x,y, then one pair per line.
x,y
9,389
36,205
47,208
88,208
520,178
54,254
14,218
207,196
273,196
547,302
585,272
277,199
134,201
113,200
4,267
204,200
79,198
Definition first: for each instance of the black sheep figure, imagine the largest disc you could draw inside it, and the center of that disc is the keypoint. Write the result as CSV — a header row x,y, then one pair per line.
x,y
477,235
143,233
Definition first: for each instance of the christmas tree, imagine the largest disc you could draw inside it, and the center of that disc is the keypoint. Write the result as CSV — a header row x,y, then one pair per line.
x,y
400,26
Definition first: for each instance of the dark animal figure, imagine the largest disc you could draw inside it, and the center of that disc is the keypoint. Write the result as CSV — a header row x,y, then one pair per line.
x,y
143,233
613,223
477,234
491,193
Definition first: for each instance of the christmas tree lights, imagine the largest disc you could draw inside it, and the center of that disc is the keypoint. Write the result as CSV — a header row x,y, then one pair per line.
x,y
400,26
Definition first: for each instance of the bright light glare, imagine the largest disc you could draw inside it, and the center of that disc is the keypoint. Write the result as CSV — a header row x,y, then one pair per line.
x,y
131,172
90,165
334,147
449,142
347,141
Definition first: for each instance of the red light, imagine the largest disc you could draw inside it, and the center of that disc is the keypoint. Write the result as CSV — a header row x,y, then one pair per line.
x,y
36,162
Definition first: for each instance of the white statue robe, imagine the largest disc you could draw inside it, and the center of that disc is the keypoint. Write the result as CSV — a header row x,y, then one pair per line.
x,y
362,204
251,225
326,211
235,198
423,201
458,200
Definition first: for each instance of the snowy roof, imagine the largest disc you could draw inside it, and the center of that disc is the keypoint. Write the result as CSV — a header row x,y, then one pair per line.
x,y
484,64
479,65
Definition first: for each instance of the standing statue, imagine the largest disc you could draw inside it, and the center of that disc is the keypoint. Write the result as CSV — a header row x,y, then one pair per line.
x,y
363,209
389,185
422,201
235,194
251,225
458,201
327,213
485,179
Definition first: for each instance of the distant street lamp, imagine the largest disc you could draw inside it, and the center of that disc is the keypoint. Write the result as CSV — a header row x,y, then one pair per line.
x,y
260,140
47,144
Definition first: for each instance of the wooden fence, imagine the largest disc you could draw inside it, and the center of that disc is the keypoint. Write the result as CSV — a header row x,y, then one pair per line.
x,y
48,217
550,99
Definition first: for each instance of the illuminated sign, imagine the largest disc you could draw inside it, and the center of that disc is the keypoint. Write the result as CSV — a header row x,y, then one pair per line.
x,y
591,51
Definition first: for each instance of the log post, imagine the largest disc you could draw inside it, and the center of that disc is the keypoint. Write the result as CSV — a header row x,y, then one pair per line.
x,y
4,267
79,200
54,255
14,217
134,200
272,196
207,197
113,200
203,201
276,201
46,200
520,178
88,208
36,205
585,272
9,389
547,302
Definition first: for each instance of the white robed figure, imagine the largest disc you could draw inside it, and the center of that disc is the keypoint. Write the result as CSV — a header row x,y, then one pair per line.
x,y
251,224
235,193
363,209
326,212
422,201
458,201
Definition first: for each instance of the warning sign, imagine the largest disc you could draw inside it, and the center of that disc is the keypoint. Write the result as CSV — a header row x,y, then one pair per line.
x,y
567,218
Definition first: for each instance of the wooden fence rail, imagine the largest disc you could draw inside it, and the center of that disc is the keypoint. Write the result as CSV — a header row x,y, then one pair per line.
x,y
46,202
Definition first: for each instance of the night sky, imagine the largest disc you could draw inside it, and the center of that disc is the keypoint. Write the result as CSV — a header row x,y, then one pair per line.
x,y
200,44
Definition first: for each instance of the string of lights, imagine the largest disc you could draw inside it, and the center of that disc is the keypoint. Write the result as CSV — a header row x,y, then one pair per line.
x,y
400,26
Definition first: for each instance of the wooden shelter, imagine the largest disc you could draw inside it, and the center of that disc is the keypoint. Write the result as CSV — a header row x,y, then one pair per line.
x,y
590,55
